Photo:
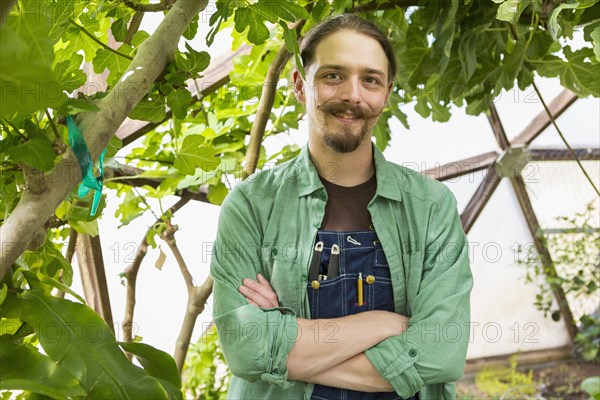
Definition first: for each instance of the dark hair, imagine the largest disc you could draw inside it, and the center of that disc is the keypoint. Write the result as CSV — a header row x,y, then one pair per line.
x,y
350,22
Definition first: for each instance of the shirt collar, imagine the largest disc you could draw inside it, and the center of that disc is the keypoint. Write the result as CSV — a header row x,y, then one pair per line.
x,y
387,183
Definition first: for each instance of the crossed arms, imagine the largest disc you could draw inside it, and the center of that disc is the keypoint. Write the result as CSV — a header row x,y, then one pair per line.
x,y
338,361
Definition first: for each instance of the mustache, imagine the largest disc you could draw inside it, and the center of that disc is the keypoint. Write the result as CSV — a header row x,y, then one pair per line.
x,y
342,107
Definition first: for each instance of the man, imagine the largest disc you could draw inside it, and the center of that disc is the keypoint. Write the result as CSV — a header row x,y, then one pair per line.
x,y
338,274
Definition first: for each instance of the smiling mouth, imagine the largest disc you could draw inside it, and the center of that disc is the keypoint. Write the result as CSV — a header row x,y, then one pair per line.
x,y
345,117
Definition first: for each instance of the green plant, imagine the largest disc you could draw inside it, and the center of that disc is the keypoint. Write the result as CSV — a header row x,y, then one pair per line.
x,y
206,374
592,387
81,357
588,339
575,253
506,382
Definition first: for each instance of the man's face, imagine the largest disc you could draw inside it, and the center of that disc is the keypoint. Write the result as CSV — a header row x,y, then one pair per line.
x,y
346,88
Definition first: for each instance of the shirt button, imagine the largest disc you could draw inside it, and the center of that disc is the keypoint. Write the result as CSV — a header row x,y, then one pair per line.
x,y
274,251
317,225
412,352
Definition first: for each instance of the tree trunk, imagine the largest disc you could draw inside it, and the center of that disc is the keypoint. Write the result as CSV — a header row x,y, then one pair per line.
x,y
35,208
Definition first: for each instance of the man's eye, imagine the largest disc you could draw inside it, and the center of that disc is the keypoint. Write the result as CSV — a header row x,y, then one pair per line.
x,y
331,75
371,79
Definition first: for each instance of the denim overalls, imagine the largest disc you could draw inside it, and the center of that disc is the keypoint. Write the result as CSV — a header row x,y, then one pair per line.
x,y
342,256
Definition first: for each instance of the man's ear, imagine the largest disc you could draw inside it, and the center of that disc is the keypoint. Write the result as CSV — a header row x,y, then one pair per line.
x,y
299,85
389,91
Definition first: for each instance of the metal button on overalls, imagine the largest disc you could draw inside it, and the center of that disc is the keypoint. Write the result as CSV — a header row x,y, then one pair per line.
x,y
338,294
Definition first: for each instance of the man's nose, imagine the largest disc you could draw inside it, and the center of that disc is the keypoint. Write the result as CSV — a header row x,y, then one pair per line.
x,y
351,91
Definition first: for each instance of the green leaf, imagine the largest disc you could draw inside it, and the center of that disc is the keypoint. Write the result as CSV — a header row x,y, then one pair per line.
x,y
291,43
3,291
511,10
411,57
381,131
61,286
156,362
70,78
26,83
193,62
248,17
114,145
440,113
80,41
104,372
36,153
577,73
129,209
595,35
30,370
87,227
217,193
592,386
192,29
422,108
119,29
178,101
75,106
151,108
32,26
115,63
553,25
60,12
285,10
193,155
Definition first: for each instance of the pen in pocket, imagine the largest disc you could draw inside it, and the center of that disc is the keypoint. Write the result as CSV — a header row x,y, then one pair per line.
x,y
359,289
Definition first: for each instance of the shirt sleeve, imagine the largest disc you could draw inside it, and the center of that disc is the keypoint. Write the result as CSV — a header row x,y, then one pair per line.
x,y
433,349
255,341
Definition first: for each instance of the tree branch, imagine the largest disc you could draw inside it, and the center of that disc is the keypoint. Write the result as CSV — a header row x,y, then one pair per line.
x,y
196,302
132,270
98,127
134,26
265,105
169,237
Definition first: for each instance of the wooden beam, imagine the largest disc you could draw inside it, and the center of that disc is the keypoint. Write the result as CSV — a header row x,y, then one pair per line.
x,y
93,276
545,258
497,127
461,167
541,121
589,154
480,198
215,76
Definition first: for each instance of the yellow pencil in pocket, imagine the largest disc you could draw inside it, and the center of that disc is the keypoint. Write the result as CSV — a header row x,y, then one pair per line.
x,y
359,287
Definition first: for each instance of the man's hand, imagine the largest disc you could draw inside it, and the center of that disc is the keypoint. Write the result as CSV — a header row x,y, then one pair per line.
x,y
260,293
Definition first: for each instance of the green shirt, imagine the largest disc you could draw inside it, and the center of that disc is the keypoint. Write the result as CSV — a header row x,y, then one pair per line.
x,y
268,224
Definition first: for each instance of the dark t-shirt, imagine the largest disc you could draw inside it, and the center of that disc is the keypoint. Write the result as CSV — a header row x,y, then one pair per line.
x,y
346,207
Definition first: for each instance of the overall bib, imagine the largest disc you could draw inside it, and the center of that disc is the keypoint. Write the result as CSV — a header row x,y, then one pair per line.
x,y
340,258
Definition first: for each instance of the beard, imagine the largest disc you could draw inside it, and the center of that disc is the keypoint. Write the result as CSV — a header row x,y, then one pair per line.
x,y
345,139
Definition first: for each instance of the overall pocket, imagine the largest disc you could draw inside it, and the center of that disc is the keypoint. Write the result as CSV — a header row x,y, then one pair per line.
x,y
379,284
325,300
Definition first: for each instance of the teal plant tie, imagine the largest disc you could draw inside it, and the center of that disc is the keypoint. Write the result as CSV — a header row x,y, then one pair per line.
x,y
89,181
